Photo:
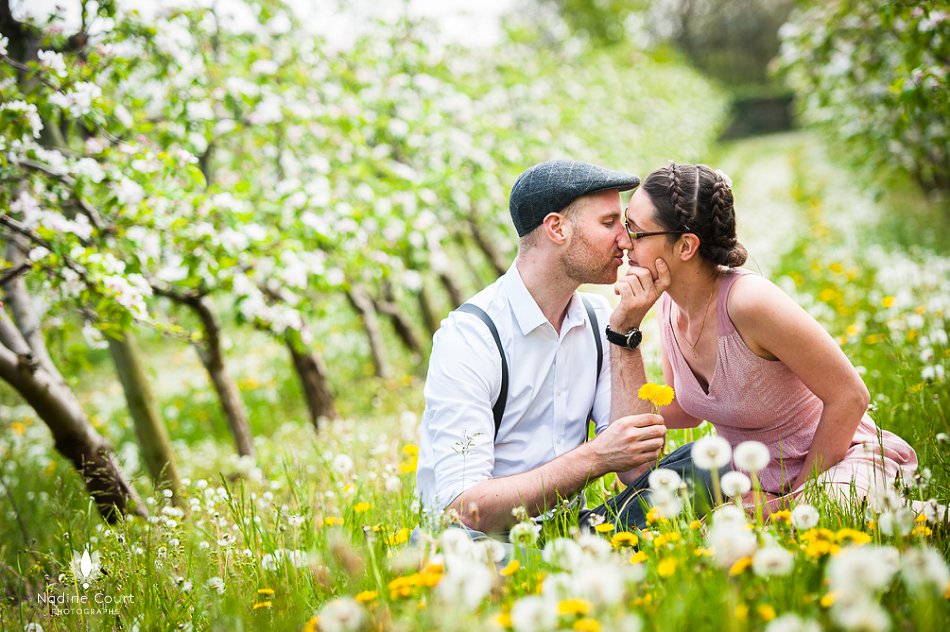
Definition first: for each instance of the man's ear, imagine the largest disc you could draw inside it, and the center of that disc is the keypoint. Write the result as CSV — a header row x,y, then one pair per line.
x,y
687,246
556,227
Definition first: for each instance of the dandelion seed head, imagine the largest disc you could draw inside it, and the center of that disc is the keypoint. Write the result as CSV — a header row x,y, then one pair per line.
x,y
751,456
804,517
711,452
735,484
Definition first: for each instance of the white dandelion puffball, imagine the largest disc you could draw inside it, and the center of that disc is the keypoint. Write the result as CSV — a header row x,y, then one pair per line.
x,y
856,573
664,480
751,456
772,560
804,517
712,452
791,622
533,614
342,615
563,553
525,533
730,514
466,585
924,566
735,484
731,541
342,464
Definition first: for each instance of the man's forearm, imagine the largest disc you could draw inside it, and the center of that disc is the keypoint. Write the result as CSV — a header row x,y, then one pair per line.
x,y
487,505
626,377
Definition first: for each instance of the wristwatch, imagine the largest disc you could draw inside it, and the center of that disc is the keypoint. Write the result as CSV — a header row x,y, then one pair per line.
x,y
630,339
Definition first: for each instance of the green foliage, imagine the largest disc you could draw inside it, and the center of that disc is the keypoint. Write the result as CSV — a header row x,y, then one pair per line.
x,y
875,75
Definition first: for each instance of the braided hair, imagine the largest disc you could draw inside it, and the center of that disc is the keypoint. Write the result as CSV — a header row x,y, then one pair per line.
x,y
696,199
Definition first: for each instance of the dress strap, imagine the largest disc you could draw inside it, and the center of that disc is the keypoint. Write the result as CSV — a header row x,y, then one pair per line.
x,y
729,277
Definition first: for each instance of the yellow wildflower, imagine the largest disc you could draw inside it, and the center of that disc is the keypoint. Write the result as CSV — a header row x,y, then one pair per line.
x,y
742,612
666,567
921,531
645,600
656,394
510,569
653,516
262,604
572,607
312,625
587,625
265,591
366,596
623,538
852,535
740,566
606,527
361,507
399,537
695,524
783,515
331,521
18,428
920,518
503,619
410,450
638,557
664,538
888,301
702,552
766,611
827,600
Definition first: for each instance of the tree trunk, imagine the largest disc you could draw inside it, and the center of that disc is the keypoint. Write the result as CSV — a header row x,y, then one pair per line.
x,y
149,428
471,264
429,318
498,262
363,304
401,325
454,292
312,373
209,351
73,434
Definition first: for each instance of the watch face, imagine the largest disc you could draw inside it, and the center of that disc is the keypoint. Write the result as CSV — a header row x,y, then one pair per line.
x,y
634,338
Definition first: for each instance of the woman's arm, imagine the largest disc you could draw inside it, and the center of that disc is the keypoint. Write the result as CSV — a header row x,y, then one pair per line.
x,y
775,327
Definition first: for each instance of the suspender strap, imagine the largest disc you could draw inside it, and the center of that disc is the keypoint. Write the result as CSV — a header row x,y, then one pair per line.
x,y
498,410
592,317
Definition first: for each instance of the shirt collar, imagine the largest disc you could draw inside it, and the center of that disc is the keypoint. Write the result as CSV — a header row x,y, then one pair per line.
x,y
526,310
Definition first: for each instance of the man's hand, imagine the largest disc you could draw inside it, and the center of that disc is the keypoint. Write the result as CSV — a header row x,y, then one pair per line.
x,y
638,291
628,442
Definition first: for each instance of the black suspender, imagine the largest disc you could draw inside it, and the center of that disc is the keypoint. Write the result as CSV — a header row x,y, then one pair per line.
x,y
498,410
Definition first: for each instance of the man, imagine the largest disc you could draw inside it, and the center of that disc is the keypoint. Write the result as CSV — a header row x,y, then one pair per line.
x,y
568,218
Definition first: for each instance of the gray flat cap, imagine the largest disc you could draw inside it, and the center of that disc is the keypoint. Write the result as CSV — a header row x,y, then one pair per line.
x,y
550,186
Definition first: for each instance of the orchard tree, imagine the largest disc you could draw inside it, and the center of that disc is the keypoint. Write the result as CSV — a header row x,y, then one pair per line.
x,y
875,76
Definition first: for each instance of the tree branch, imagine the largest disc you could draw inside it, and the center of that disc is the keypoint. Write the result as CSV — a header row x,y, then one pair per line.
x,y
88,210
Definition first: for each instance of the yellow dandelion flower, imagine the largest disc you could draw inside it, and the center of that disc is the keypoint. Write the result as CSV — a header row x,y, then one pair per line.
x,y
656,394
503,619
361,507
332,521
18,428
606,527
742,612
783,515
766,611
410,449
265,591
921,531
653,516
400,537
645,600
313,625
511,568
586,625
638,558
623,538
695,524
827,600
920,518
573,607
740,566
852,535
366,596
262,604
702,552
666,567
665,538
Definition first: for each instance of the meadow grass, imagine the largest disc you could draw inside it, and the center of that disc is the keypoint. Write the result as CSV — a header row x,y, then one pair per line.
x,y
314,533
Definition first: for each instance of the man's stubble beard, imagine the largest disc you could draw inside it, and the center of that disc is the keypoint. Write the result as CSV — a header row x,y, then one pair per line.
x,y
580,262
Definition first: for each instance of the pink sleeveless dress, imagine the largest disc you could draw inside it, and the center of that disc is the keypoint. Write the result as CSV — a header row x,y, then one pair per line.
x,y
751,398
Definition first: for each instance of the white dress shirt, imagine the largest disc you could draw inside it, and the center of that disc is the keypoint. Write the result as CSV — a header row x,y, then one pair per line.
x,y
552,387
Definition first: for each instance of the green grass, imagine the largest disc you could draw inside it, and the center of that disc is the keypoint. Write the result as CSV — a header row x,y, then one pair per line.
x,y
299,529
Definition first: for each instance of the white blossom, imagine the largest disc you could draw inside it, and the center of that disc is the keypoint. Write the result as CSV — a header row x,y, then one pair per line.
x,y
772,560
524,533
562,553
664,480
534,613
53,61
791,622
466,585
342,464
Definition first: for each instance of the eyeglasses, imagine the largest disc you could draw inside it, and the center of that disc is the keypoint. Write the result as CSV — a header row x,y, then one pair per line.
x,y
634,235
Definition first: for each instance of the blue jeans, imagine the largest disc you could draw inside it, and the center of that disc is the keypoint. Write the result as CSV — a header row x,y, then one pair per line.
x,y
628,509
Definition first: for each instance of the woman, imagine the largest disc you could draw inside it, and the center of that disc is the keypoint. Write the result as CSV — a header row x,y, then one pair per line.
x,y
742,354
